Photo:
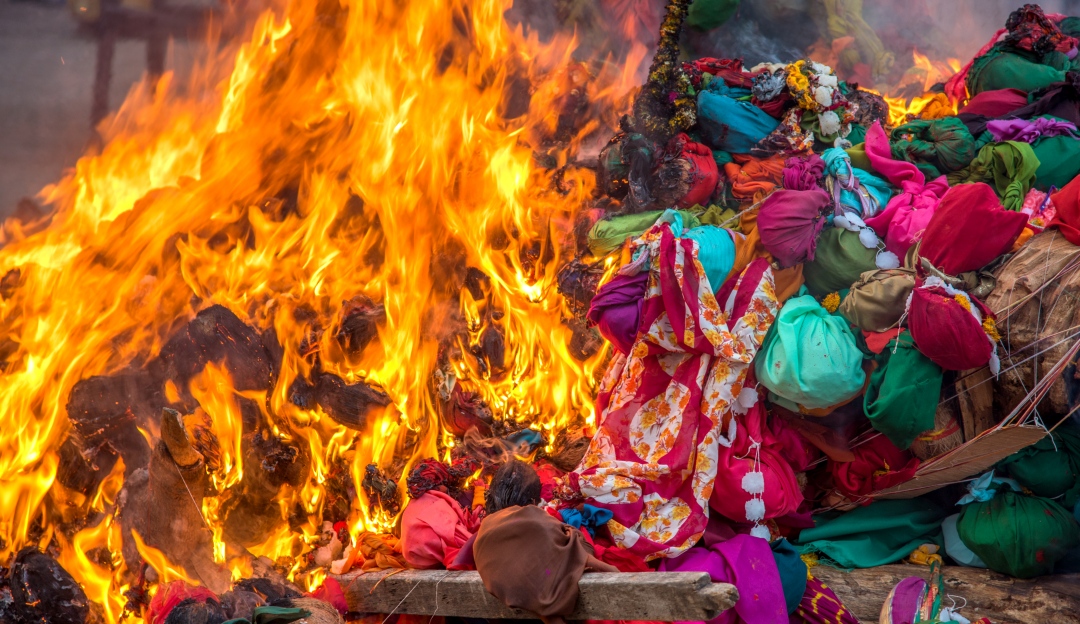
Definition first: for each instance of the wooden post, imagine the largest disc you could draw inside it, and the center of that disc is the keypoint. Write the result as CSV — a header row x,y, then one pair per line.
x,y
660,596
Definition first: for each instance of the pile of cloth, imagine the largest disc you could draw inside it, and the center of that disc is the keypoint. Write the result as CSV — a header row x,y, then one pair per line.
x,y
795,288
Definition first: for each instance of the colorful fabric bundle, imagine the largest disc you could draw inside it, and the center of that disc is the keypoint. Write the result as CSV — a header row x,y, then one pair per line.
x,y
667,406
1031,30
731,125
1018,535
686,174
952,328
854,189
809,356
432,474
876,301
878,464
969,230
616,309
434,528
1051,467
840,258
716,252
753,178
745,562
790,219
903,393
943,143
609,234
1059,161
1009,167
755,483
883,532
905,217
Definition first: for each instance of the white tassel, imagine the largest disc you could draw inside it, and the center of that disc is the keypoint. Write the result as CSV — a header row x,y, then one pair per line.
x,y
887,260
842,222
762,531
856,220
995,363
755,510
753,483
869,238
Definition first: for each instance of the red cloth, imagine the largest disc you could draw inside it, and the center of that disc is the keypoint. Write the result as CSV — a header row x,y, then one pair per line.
x,y
877,341
172,594
704,174
969,229
782,494
330,591
728,70
1067,203
947,332
996,103
434,528
878,465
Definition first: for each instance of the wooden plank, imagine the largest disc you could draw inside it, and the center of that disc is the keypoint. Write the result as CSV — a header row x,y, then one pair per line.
x,y
660,596
1003,599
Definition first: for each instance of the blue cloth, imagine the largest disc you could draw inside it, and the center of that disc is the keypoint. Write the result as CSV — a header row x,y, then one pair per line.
x,y
716,252
729,124
526,437
985,487
838,165
955,547
792,572
588,516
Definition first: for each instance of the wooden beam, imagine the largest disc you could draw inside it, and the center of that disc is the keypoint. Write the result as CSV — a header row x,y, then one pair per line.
x,y
1003,599
661,596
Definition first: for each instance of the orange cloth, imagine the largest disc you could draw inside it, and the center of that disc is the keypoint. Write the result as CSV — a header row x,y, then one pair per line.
x,y
380,552
753,178
748,248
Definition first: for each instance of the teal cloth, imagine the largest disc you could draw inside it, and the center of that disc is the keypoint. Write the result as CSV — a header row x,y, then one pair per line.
x,y
272,615
838,164
955,547
1015,69
880,533
809,356
792,572
1059,161
716,252
729,124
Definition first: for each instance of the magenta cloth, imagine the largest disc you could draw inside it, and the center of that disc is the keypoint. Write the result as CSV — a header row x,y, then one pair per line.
x,y
970,229
747,563
464,559
1028,130
997,103
946,332
782,495
616,309
821,606
434,527
665,407
902,222
803,173
904,603
790,219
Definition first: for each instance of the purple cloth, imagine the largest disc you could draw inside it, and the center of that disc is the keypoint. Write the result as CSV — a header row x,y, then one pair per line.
x,y
803,173
748,564
616,309
902,222
905,600
1028,130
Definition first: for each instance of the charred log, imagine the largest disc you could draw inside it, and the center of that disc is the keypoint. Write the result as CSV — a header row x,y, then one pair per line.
x,y
578,283
359,325
42,591
585,341
82,468
347,404
382,491
108,411
461,410
252,512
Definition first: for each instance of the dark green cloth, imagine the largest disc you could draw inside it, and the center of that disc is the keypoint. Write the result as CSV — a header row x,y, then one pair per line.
x,y
1008,166
1019,535
1015,69
1059,161
1051,466
1070,26
857,134
839,260
710,14
880,533
944,143
272,615
792,572
903,393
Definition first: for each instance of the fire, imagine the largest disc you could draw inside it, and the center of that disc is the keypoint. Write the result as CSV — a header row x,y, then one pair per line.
x,y
358,149
916,99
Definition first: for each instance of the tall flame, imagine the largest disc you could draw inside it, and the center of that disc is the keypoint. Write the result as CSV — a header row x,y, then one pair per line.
x,y
353,148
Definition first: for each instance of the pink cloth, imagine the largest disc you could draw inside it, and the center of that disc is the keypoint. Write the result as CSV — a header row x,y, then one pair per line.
x,y
791,218
904,219
666,407
434,527
748,564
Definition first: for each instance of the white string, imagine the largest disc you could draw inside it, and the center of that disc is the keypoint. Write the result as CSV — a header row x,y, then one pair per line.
x,y
441,579
391,614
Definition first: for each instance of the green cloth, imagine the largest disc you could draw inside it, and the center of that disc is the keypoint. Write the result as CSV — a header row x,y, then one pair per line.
x,y
1008,166
1070,26
859,159
272,615
944,143
903,393
792,572
710,14
1059,161
609,234
720,217
880,533
1018,535
809,356
857,135
1051,466
721,158
839,260
1015,69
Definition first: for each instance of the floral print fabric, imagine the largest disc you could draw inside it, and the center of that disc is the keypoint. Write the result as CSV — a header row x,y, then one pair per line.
x,y
668,405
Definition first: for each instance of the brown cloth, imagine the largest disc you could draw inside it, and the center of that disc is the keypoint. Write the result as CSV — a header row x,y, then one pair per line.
x,y
532,561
